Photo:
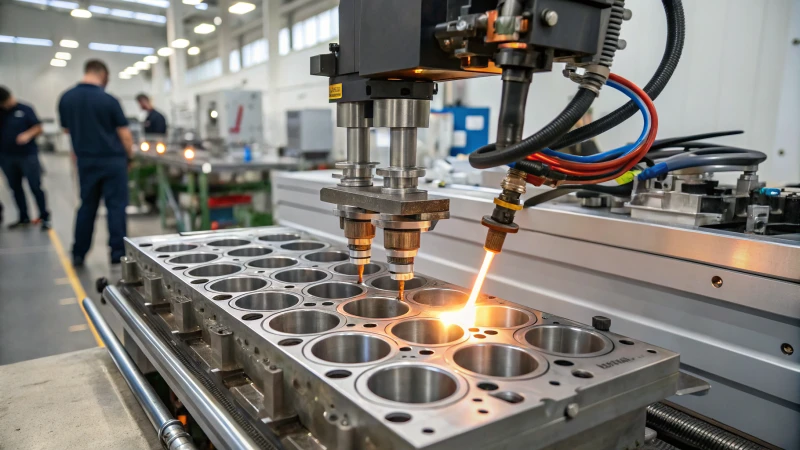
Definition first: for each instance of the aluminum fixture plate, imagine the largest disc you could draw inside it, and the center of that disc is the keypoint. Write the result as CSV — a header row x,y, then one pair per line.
x,y
365,371
372,199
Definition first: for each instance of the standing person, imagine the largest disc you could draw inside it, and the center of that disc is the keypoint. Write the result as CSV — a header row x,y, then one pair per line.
x,y
19,156
103,145
155,122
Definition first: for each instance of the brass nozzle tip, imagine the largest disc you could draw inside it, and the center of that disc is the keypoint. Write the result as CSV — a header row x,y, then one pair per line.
x,y
494,241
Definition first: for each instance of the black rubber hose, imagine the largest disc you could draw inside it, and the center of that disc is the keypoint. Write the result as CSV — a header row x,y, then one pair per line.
x,y
487,156
676,34
680,141
617,191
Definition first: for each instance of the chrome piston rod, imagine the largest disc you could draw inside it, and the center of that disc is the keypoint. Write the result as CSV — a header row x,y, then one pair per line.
x,y
223,431
170,431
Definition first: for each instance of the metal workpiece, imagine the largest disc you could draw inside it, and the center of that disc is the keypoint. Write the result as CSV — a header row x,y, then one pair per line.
x,y
328,362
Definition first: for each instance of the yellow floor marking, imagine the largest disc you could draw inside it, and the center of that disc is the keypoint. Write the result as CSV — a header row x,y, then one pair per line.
x,y
77,287
81,327
67,301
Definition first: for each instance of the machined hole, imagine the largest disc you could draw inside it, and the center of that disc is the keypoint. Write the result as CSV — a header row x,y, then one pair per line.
x,y
274,262
174,248
291,342
239,284
327,257
252,316
215,270
279,237
376,308
222,297
267,301
338,374
352,269
499,317
303,246
398,417
228,243
335,290
441,298
427,331
412,384
582,374
386,283
301,276
351,348
566,340
193,258
495,360
509,397
486,386
249,252
304,321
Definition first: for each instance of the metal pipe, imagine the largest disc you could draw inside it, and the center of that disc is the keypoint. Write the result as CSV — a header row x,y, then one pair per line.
x,y
170,431
403,147
223,431
358,145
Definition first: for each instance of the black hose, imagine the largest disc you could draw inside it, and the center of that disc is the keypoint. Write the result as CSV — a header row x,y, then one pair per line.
x,y
487,156
680,141
617,191
676,33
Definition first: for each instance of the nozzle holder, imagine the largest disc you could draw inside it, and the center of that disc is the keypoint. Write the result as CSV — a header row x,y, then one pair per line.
x,y
497,233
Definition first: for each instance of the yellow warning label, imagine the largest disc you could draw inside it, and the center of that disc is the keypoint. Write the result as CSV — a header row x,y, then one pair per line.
x,y
627,177
335,91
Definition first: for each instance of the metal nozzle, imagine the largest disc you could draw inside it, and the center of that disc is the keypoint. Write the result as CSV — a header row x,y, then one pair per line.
x,y
401,248
501,222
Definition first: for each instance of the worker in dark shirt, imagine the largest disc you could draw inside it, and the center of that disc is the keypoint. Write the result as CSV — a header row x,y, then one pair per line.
x,y
102,143
155,122
19,156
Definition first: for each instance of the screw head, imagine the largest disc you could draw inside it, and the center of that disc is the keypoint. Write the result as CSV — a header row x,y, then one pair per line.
x,y
601,323
333,47
572,410
716,281
549,17
462,25
787,348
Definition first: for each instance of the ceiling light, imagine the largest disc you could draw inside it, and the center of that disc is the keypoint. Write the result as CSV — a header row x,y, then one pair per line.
x,y
218,21
69,43
141,65
201,6
131,70
7,39
135,50
180,43
193,51
94,9
241,8
204,28
63,55
157,3
33,41
80,13
192,2
152,59
58,63
165,51
62,5
124,76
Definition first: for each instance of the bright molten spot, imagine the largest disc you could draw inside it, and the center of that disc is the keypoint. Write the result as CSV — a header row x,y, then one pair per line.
x,y
466,316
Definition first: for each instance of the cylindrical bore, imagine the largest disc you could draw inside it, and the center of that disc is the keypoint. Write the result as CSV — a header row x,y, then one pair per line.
x,y
499,317
228,243
300,275
304,321
193,258
351,348
442,298
386,283
175,248
352,269
303,246
249,252
267,301
376,308
327,257
238,284
273,262
412,384
427,331
335,290
214,270
279,237
567,340
495,360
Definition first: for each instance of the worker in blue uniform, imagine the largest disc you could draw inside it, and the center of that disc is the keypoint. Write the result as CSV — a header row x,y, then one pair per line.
x,y
19,156
102,143
155,123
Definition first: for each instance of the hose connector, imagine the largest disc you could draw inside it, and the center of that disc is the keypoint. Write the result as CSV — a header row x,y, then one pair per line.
x,y
506,205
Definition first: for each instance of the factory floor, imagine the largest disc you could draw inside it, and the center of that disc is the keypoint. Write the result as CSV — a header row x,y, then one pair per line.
x,y
40,293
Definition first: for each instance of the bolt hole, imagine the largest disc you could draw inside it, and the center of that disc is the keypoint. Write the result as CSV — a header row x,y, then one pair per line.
x,y
145,245
555,323
290,342
338,374
222,297
252,316
261,271
555,383
180,268
405,349
327,304
201,281
289,287
426,352
474,330
477,400
787,348
716,281
582,374
369,325
483,411
351,324
490,332
333,417
309,304
651,351
398,417
427,430
163,256
563,362
480,336
626,342
486,386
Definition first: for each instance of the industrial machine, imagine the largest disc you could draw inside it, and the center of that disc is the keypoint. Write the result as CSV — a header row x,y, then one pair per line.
x,y
309,134
230,117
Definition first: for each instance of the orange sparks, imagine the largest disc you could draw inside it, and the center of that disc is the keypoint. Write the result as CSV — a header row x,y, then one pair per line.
x,y
401,287
466,316
360,274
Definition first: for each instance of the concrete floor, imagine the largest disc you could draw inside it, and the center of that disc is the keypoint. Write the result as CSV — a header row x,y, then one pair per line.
x,y
39,309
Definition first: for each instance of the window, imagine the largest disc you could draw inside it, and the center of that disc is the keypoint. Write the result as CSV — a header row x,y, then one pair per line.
x,y
234,61
298,36
255,52
284,47
311,31
204,71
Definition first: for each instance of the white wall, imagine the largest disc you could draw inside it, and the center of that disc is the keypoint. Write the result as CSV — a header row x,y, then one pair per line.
x,y
26,69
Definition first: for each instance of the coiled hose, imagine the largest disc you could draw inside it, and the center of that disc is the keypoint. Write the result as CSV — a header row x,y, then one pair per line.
x,y
676,34
684,430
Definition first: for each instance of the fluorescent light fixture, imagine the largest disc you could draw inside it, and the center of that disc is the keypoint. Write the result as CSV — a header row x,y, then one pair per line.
x,y
69,43
241,8
218,21
133,50
33,41
94,9
35,2
157,3
180,43
155,18
58,63
81,13
193,51
152,59
125,14
141,65
63,5
165,51
204,28
66,56
192,2
131,70
125,76
6,39
103,47
201,6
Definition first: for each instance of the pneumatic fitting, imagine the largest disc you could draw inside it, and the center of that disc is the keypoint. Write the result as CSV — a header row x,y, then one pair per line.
x,y
501,221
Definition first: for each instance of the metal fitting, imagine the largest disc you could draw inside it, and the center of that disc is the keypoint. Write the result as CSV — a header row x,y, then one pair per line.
x,y
515,180
549,17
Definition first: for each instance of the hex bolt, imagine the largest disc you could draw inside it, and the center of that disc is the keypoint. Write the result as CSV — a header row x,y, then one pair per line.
x,y
572,410
601,323
549,17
